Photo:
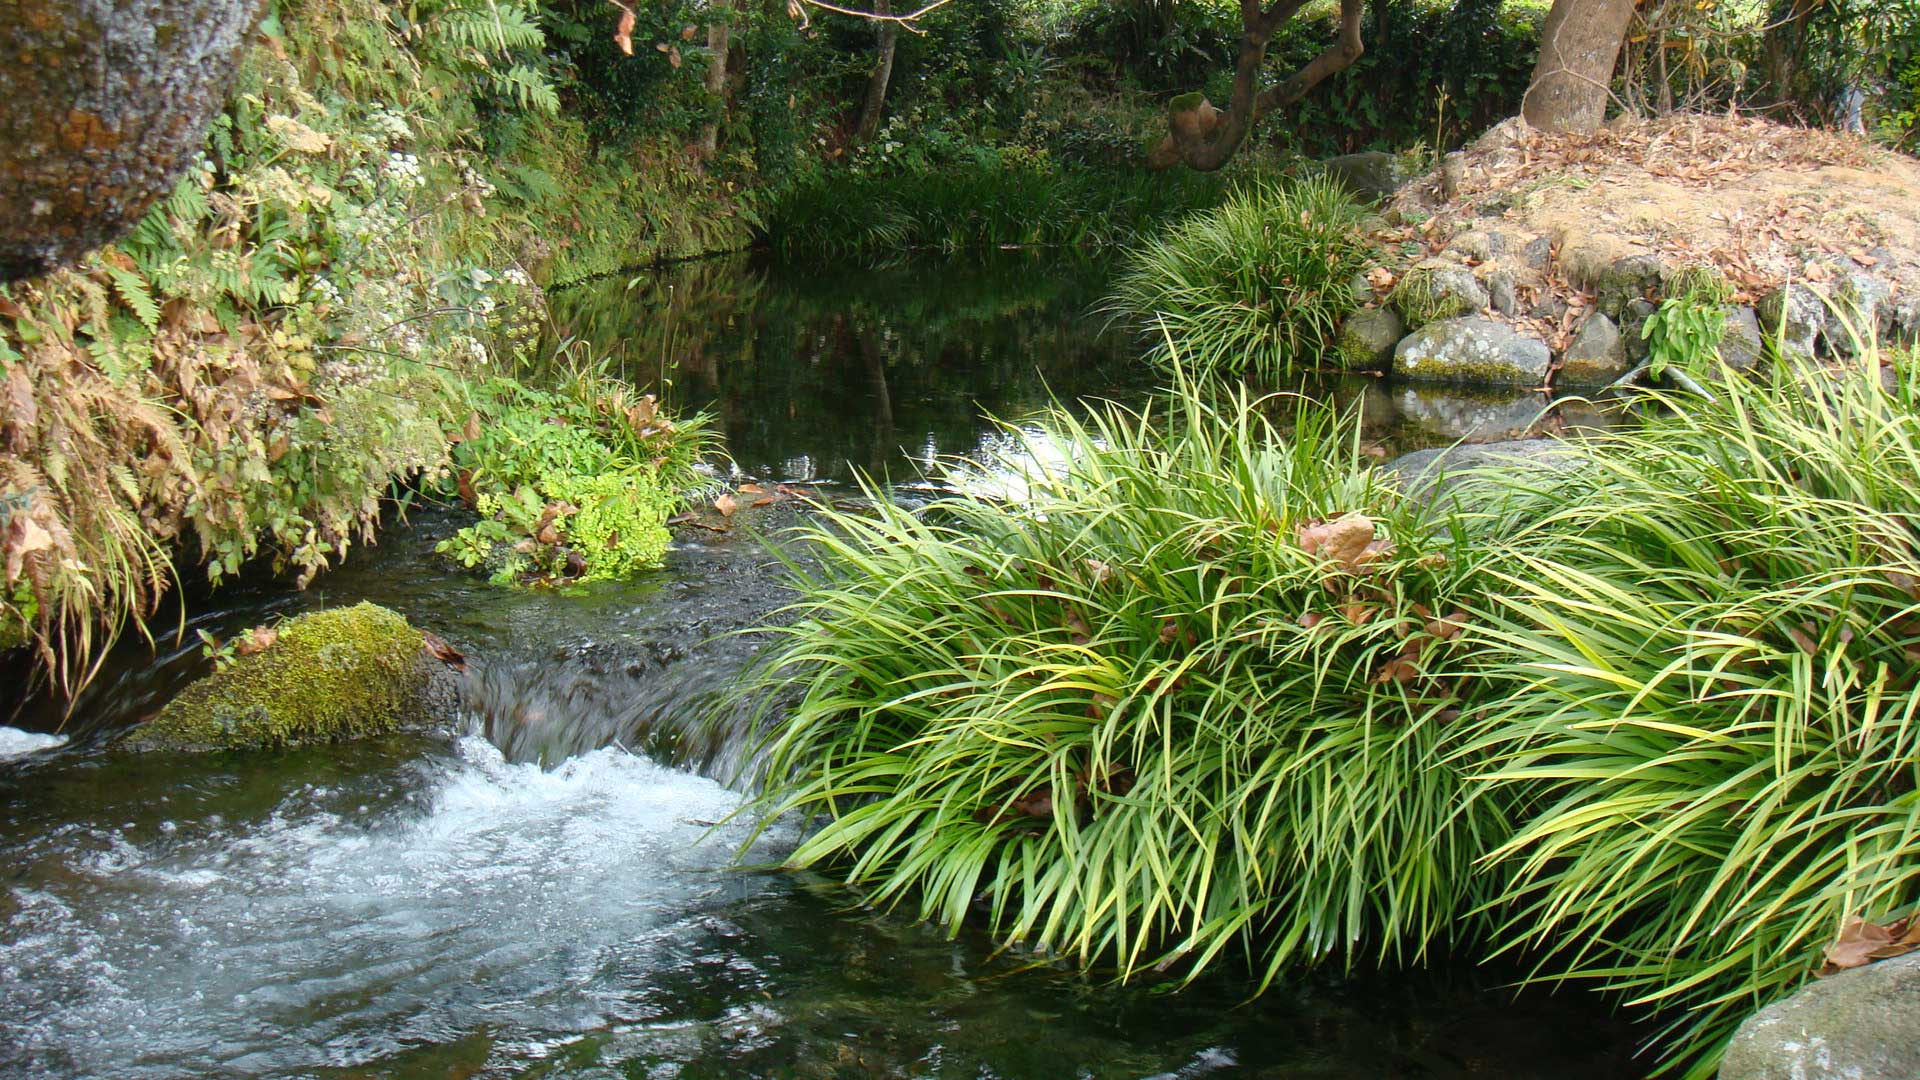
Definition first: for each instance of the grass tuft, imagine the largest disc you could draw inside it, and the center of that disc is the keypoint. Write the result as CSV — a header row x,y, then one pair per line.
x,y
1254,288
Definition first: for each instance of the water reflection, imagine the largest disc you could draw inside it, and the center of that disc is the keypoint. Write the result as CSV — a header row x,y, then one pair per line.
x,y
817,374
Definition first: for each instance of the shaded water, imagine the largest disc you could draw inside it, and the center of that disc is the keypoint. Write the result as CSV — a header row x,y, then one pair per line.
x,y
537,894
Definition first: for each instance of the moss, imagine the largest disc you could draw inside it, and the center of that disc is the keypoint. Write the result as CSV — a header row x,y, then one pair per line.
x,y
1187,102
344,673
1421,298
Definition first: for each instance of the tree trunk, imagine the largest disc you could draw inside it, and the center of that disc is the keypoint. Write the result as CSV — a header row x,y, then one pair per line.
x,y
106,103
718,45
1783,49
1573,80
886,35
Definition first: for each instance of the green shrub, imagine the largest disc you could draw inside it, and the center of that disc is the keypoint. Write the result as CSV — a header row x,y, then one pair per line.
x,y
1707,691
571,485
1170,708
1256,287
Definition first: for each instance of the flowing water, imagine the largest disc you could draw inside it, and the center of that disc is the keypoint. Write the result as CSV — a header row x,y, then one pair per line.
x,y
553,890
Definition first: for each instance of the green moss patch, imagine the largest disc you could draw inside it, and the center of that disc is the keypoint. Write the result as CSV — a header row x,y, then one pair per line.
x,y
345,673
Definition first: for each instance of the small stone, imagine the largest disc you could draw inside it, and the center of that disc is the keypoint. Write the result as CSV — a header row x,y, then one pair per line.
x,y
1436,289
1538,253
1597,356
1362,289
1478,246
1548,307
1366,339
1370,177
1634,277
1861,311
1472,350
1741,345
1501,293
1796,314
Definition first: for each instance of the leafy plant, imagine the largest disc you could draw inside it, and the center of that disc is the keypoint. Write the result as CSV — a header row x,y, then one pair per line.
x,y
1684,332
1256,287
1706,647
1173,707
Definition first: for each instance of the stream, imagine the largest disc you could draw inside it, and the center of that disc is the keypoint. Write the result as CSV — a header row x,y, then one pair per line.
x,y
553,890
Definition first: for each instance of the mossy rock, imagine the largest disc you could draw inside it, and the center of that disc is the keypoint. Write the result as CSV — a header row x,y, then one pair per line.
x,y
344,673
1436,290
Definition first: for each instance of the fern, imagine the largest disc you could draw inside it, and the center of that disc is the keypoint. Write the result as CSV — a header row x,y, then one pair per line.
x,y
133,290
528,89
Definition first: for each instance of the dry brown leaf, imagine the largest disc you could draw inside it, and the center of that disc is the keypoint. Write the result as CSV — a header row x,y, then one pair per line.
x,y
623,35
257,640
1860,943
726,504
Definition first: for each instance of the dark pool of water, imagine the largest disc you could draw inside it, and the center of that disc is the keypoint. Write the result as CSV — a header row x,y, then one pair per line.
x,y
551,890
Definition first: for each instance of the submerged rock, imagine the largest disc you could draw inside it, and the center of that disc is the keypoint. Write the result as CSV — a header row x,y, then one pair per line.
x,y
1430,474
1472,350
343,673
1856,1025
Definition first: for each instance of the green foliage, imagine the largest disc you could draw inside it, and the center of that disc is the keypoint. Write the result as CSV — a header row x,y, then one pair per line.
x,y
1685,331
1869,47
1000,197
1704,653
1257,287
571,485
1142,716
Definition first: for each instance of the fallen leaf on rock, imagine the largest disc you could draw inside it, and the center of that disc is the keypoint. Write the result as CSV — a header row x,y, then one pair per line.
x,y
438,649
726,504
1861,942
257,640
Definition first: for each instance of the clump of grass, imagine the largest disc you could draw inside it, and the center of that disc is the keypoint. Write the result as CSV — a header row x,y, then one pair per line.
x,y
1175,706
1707,652
1256,287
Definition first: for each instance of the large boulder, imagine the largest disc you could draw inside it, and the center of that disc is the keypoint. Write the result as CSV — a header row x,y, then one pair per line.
x,y
342,673
1431,475
107,102
1856,1025
1472,350
1797,314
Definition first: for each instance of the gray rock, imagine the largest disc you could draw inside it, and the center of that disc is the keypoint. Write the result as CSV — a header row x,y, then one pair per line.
x,y
1548,307
1741,344
1625,280
1472,350
1862,309
1478,246
1857,1025
1903,322
1437,289
1633,328
1431,474
1367,337
1799,311
1501,293
1372,176
1597,355
1538,253
1362,289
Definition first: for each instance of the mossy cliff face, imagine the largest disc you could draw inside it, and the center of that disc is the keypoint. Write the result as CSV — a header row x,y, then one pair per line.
x,y
106,101
345,673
